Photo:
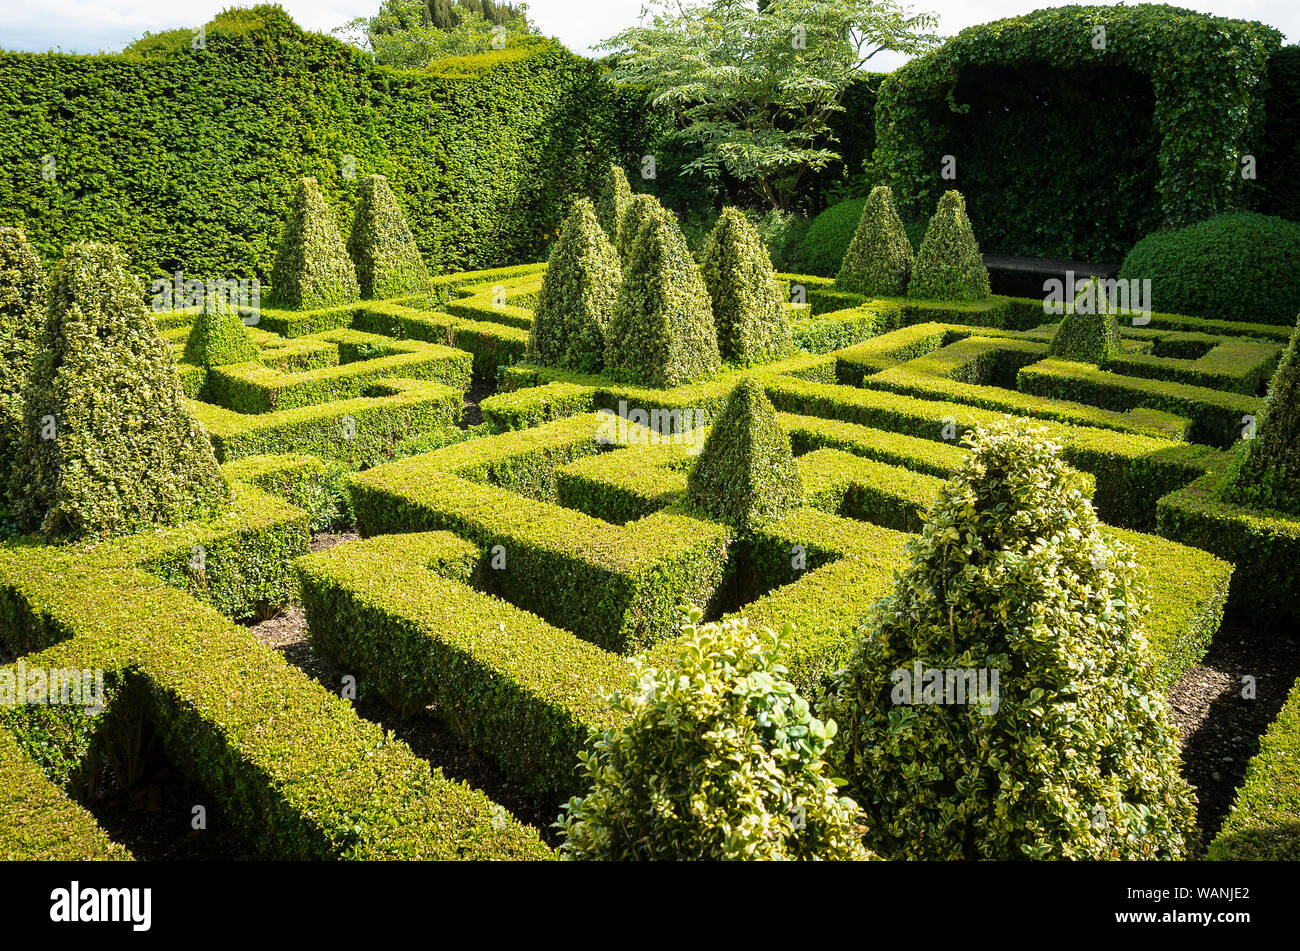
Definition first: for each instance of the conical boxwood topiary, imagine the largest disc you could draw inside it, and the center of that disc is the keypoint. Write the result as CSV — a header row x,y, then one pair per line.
x,y
879,259
1266,471
1069,752
577,295
747,306
716,757
746,474
109,445
615,196
219,337
312,267
661,331
1089,331
381,245
639,210
948,265
23,294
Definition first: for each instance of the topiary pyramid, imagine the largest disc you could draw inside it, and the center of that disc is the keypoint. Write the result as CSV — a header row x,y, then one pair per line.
x,y
1089,331
948,265
312,268
109,445
879,260
746,474
661,330
611,205
381,245
1266,470
219,337
639,210
747,302
1070,753
577,295
715,757
23,297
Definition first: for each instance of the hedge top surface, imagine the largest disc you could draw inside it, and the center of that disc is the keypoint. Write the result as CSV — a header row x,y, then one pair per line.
x,y
752,324
381,245
948,265
1012,573
746,474
109,444
312,268
879,260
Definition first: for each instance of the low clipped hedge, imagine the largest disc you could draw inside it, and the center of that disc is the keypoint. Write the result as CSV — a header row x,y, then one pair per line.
x,y
1264,823
532,406
511,685
1238,266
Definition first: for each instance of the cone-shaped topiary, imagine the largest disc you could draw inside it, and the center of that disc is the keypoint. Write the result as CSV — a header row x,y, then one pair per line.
x,y
948,265
23,293
661,331
312,267
1089,331
109,445
746,474
615,196
381,245
879,259
747,302
639,210
577,295
717,757
999,702
1266,471
219,337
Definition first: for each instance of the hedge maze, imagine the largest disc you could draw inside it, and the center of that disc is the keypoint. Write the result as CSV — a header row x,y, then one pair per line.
x,y
506,580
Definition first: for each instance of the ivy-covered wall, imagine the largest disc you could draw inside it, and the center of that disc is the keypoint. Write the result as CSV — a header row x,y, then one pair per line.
x,y
1207,79
188,158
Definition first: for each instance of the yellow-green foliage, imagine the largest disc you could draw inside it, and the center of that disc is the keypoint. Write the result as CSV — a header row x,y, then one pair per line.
x,y
879,259
639,209
1089,331
615,196
109,445
219,337
719,759
577,296
381,244
948,265
312,267
746,474
1070,753
661,332
751,322
22,311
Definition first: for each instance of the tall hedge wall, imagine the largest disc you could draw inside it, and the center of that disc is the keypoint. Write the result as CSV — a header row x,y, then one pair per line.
x,y
188,158
1207,79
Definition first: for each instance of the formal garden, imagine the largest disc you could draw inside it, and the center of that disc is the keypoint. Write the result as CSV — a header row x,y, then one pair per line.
x,y
509,456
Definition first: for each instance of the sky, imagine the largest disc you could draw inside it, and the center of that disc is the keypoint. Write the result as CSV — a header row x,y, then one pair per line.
x,y
93,26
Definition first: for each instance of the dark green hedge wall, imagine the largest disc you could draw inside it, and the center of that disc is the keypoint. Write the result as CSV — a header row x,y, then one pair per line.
x,y
189,158
1279,155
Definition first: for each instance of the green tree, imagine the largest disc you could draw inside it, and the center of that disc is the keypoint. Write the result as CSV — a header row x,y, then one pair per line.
x,y
755,88
415,33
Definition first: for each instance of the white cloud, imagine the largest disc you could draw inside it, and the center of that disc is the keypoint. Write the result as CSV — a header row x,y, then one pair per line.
x,y
107,25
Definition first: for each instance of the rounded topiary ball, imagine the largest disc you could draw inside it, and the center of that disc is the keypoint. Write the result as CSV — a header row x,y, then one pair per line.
x,y
1239,266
